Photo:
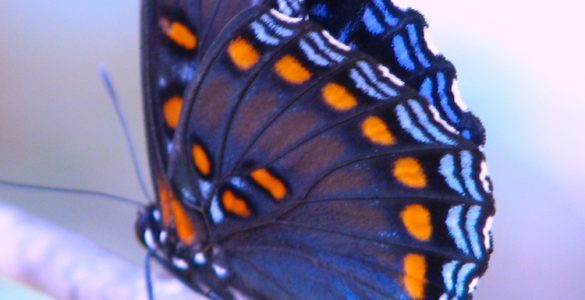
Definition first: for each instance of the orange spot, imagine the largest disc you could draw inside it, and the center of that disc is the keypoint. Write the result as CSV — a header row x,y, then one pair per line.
x,y
415,269
243,54
201,160
338,97
235,205
185,228
165,197
172,110
179,33
290,69
410,172
272,184
417,220
376,130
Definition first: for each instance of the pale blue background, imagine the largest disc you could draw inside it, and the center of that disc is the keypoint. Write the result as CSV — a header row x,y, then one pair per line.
x,y
521,69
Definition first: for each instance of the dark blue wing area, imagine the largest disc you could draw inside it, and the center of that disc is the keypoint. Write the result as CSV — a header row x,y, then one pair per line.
x,y
170,45
175,35
323,175
397,38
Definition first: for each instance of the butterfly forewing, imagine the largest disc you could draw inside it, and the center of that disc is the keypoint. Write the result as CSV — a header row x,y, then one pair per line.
x,y
397,38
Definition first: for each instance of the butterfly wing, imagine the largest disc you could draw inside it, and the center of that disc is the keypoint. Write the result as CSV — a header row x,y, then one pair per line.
x,y
170,45
175,34
321,175
397,38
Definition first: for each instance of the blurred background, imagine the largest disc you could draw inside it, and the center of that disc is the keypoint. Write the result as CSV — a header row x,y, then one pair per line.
x,y
521,69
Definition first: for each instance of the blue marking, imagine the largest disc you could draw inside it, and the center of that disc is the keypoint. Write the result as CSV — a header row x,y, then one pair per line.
x,y
409,126
215,211
318,39
462,277
372,23
312,55
277,29
345,32
473,215
320,10
449,274
388,17
467,173
445,100
466,134
426,90
362,84
263,35
422,59
423,118
453,219
366,68
402,53
447,169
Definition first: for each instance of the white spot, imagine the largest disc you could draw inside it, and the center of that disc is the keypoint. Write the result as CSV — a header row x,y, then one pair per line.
x,y
215,210
156,214
430,43
205,188
238,182
163,236
457,96
335,42
220,271
162,82
487,228
284,18
440,120
483,176
386,73
149,239
473,284
170,147
180,263
444,297
199,258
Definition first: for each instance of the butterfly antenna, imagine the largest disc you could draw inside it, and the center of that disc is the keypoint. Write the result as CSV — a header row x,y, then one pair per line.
x,y
107,82
43,188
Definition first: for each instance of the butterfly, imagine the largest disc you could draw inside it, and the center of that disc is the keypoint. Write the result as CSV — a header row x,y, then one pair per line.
x,y
310,150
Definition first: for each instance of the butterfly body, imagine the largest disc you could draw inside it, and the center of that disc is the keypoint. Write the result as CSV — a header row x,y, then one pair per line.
x,y
289,165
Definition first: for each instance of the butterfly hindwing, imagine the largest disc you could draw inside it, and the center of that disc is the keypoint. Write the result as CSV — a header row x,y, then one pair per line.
x,y
311,160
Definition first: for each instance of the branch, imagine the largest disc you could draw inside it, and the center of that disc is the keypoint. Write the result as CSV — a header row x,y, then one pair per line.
x,y
68,266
